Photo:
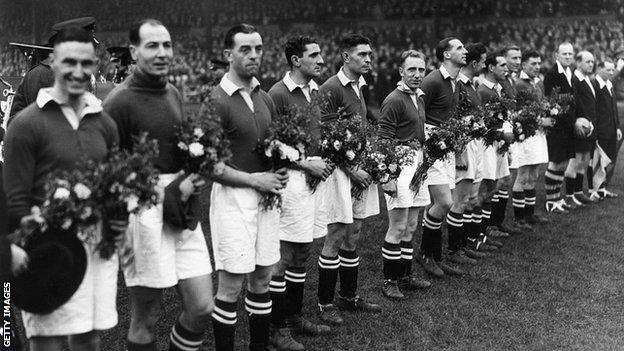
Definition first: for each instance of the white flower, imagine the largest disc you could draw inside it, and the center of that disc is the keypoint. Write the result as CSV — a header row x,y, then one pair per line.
x,y
382,167
442,145
521,137
61,194
337,145
324,143
554,111
198,132
132,176
348,135
385,178
82,191
67,223
86,213
132,202
350,155
392,167
288,152
182,146
196,149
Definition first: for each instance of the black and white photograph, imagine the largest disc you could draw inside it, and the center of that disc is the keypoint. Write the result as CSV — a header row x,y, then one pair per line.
x,y
333,175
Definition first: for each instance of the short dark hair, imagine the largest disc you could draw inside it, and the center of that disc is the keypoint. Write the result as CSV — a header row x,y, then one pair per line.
x,y
228,40
297,46
352,40
475,51
509,48
602,62
73,34
530,54
443,45
412,53
490,59
134,35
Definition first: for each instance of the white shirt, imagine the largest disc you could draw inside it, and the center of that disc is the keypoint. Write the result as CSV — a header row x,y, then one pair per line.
x,y
356,85
92,105
585,78
493,86
305,89
414,95
230,88
447,75
567,72
602,84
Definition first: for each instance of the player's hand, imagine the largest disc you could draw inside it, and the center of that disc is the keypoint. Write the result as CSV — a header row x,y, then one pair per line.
x,y
318,168
19,260
390,188
270,182
191,185
581,127
361,178
619,134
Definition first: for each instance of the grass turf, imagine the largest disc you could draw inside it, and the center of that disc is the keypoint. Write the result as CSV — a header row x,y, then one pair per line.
x,y
556,288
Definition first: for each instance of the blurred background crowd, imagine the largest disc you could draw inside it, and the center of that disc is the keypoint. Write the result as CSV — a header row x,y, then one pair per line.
x,y
197,27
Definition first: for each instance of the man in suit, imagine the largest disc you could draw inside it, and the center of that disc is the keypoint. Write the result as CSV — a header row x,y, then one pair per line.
x,y
584,129
560,141
608,123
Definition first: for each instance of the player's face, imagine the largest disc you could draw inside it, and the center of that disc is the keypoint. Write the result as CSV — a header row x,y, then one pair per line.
x,y
565,55
154,52
513,57
478,66
412,72
311,63
500,70
607,72
586,65
457,52
359,59
73,64
532,66
245,56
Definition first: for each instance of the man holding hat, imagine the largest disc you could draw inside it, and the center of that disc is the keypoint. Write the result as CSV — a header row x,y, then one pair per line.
x,y
65,126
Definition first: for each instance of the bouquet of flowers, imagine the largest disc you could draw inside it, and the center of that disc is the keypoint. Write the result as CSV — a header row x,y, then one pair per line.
x,y
526,119
496,113
124,184
439,143
286,145
202,143
68,205
383,160
472,118
556,105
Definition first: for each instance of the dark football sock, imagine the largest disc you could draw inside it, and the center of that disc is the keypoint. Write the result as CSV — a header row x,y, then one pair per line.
x,y
348,272
259,308
277,288
455,224
518,204
133,346
295,283
431,244
529,202
182,339
224,325
391,257
328,275
407,256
